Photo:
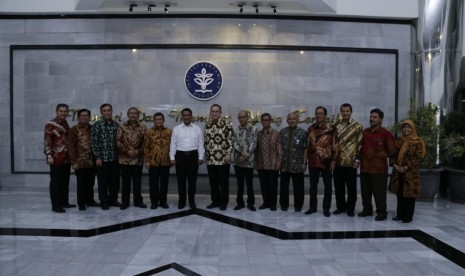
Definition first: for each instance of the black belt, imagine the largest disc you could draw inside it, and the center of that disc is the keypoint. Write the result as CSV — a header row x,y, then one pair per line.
x,y
192,152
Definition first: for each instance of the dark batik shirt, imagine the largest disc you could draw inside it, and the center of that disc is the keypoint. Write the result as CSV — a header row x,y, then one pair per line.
x,y
377,145
104,141
130,138
56,141
323,145
218,141
269,151
294,142
80,146
157,146
245,142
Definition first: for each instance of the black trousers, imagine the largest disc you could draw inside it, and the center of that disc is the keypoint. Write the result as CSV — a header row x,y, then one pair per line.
x,y
345,177
158,184
59,185
219,184
326,174
244,174
108,182
187,167
269,187
131,173
405,205
374,184
85,179
298,185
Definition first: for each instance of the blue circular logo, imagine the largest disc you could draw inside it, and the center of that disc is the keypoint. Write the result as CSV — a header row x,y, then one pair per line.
x,y
203,81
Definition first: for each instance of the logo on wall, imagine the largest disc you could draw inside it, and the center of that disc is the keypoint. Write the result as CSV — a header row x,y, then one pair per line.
x,y
203,81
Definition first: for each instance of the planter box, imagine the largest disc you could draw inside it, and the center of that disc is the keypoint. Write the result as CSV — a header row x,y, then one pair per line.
x,y
430,181
456,184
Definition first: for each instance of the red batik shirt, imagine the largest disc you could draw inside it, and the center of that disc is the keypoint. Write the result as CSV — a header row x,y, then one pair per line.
x,y
56,141
377,145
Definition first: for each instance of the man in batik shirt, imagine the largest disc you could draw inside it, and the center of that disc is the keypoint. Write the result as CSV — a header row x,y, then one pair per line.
x,y
157,160
245,142
349,135
294,142
82,159
218,147
56,150
106,157
322,157
268,155
130,141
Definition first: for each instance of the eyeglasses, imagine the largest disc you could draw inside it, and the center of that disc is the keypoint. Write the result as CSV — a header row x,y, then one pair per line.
x,y
215,111
320,113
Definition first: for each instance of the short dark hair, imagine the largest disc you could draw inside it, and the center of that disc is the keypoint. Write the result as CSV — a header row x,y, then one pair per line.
x,y
159,114
61,105
133,108
378,111
265,115
324,109
346,105
186,109
83,110
104,105
219,106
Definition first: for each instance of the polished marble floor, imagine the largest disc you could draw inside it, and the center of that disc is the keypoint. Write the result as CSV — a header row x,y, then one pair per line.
x,y
35,241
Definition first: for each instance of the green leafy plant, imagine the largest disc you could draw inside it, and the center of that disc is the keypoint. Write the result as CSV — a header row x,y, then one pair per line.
x,y
453,142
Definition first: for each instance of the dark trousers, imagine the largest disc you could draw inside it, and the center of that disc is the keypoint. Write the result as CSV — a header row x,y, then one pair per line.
x,y
108,182
244,174
187,167
298,185
131,173
85,178
328,189
345,177
269,187
374,184
158,184
405,205
59,185
219,184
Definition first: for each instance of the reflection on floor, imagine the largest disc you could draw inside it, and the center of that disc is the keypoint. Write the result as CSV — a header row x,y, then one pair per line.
x,y
35,241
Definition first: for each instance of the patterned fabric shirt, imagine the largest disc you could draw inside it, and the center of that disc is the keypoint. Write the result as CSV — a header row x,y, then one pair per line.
x,y
218,141
80,146
294,142
130,138
104,141
245,142
323,145
157,146
56,141
377,145
350,142
269,151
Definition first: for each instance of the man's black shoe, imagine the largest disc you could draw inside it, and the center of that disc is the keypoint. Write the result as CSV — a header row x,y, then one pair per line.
x,y
251,208
364,214
58,210
154,206
212,205
93,204
238,207
380,217
310,211
181,206
192,206
297,209
123,207
273,208
141,205
115,204
222,208
263,206
337,212
350,213
284,209
406,220
82,208
69,206
396,218
105,206
326,213
164,206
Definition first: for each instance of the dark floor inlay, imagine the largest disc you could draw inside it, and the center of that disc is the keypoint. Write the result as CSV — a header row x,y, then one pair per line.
x,y
174,266
454,255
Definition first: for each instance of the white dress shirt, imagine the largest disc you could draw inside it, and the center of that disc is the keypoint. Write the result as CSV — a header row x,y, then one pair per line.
x,y
187,138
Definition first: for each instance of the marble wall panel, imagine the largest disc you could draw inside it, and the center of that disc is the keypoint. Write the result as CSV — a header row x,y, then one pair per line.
x,y
5,158
90,38
36,68
5,133
4,59
90,25
35,26
62,25
4,89
14,181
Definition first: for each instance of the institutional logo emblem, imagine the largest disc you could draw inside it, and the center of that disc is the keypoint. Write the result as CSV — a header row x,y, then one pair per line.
x,y
203,81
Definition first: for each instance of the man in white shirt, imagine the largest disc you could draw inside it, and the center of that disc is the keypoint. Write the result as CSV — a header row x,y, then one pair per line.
x,y
187,153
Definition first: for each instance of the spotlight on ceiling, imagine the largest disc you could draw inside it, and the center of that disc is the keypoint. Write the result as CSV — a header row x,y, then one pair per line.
x,y
149,7
256,8
274,9
241,9
131,7
166,8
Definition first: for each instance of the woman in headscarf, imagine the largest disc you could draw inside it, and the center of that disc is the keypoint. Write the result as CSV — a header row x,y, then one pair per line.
x,y
405,178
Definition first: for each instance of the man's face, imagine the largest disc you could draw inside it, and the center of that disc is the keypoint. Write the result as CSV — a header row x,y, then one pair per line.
x,y
106,112
266,121
375,120
346,113
62,113
320,115
133,115
215,113
292,119
158,121
84,117
186,117
243,118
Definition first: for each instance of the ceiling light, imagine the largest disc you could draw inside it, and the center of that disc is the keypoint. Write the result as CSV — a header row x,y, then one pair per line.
x,y
131,7
241,8
149,7
274,9
166,8
256,8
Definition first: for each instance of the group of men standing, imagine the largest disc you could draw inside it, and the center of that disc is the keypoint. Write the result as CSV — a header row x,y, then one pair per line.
x,y
110,150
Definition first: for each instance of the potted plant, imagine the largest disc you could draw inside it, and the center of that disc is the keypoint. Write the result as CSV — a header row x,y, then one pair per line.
x,y
428,129
453,153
